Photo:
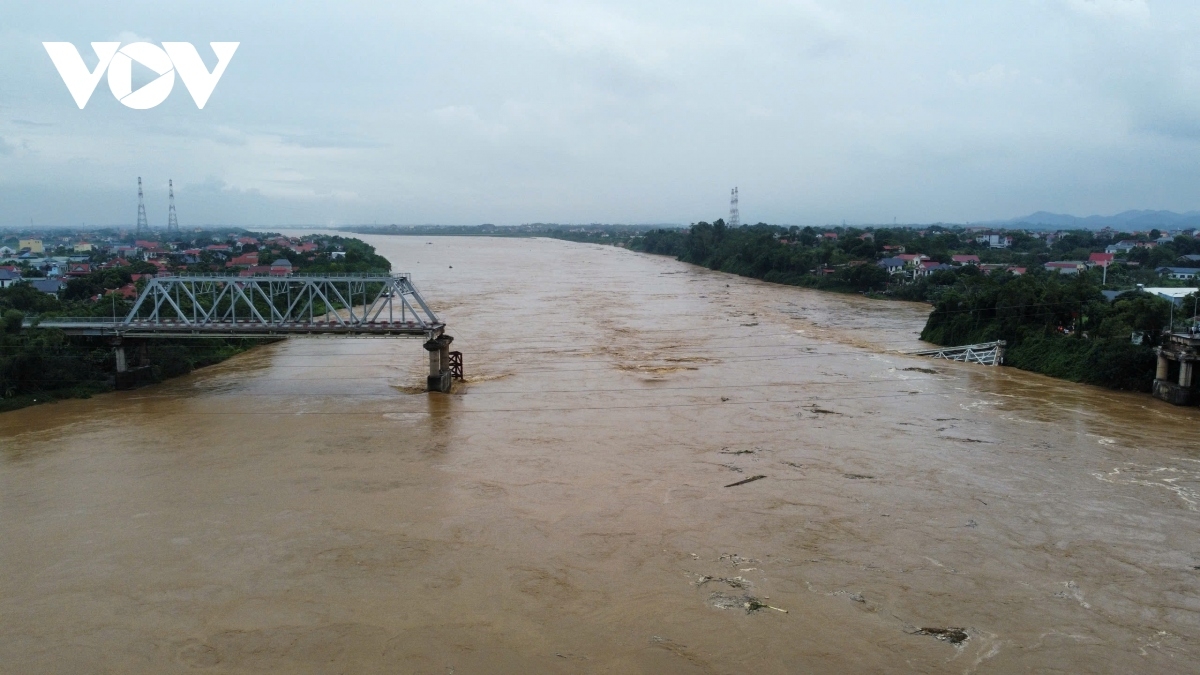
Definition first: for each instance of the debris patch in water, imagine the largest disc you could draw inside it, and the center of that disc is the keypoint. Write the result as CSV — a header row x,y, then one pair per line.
x,y
952,635
749,603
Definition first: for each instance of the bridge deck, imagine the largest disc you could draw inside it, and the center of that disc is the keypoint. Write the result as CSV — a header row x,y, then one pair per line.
x,y
241,329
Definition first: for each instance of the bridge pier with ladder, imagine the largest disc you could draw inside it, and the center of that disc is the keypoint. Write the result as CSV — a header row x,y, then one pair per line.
x,y
201,306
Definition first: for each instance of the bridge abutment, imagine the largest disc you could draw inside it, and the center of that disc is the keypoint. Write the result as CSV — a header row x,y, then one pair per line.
x,y
1174,378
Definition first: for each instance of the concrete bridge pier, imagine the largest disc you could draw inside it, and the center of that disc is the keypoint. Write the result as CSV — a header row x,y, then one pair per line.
x,y
129,376
119,352
439,379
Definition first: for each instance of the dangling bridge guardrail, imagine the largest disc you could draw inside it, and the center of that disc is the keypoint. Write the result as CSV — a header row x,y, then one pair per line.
x,y
986,353
203,306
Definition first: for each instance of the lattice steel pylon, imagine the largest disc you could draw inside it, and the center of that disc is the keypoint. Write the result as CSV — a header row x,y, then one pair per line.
x,y
143,227
172,220
735,218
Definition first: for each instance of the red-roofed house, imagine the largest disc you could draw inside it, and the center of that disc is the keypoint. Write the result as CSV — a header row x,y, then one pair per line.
x,y
245,260
115,262
965,259
832,236
255,270
913,259
1065,267
927,267
128,291
79,270
1101,259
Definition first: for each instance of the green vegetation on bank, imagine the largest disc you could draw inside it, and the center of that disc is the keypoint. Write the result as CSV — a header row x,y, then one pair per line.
x,y
1056,324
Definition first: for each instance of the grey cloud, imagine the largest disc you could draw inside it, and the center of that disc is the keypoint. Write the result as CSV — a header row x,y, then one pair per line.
x,y
523,110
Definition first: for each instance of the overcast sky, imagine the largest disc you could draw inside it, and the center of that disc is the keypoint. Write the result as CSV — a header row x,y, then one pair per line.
x,y
466,111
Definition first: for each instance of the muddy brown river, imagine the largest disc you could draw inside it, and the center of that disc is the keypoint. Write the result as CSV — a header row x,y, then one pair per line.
x,y
307,508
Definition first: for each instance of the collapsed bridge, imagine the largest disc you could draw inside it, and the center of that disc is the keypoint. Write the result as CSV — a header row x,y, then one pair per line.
x,y
219,306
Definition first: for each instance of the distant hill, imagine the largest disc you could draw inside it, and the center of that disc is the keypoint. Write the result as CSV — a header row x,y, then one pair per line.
x,y
1128,220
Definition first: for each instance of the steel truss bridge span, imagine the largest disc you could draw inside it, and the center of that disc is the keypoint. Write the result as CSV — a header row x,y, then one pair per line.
x,y
987,353
201,306
230,306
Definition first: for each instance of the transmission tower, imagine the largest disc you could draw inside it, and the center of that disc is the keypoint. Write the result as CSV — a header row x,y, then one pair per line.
x,y
735,218
142,226
172,220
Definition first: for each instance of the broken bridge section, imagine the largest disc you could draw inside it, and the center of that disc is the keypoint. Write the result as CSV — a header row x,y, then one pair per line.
x,y
203,306
985,353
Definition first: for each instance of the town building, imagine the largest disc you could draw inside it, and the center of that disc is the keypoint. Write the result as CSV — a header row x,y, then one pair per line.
x,y
994,240
51,286
892,265
1180,273
1065,266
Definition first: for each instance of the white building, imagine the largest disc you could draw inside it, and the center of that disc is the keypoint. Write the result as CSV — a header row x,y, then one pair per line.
x,y
995,240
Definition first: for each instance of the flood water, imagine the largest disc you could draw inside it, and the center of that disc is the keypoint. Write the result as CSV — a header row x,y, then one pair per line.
x,y
307,508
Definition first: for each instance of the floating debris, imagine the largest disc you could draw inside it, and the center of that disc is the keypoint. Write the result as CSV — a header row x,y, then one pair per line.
x,y
858,476
856,597
747,602
748,480
735,582
823,411
737,559
954,636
